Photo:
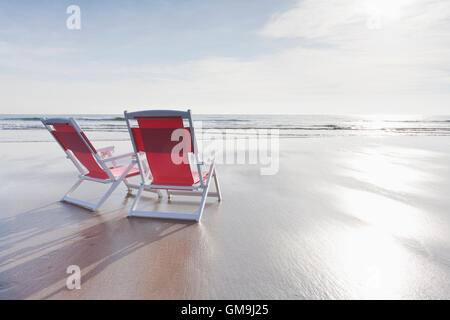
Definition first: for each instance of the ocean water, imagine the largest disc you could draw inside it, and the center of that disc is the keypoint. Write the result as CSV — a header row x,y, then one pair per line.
x,y
104,127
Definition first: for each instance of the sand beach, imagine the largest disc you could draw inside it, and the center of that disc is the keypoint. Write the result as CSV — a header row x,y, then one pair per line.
x,y
344,218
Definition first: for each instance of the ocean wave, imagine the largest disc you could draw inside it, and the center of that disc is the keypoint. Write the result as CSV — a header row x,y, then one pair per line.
x,y
288,126
418,121
81,118
237,129
22,119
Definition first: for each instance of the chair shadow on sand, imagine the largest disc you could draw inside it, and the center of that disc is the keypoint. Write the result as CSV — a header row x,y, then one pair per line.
x,y
32,268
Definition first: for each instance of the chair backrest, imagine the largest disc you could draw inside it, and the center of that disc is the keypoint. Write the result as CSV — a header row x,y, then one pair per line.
x,y
70,137
167,143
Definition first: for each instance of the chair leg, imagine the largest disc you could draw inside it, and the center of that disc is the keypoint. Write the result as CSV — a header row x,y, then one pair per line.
x,y
216,182
72,189
107,194
179,216
81,203
205,193
114,186
136,200
96,206
128,185
168,215
203,201
88,205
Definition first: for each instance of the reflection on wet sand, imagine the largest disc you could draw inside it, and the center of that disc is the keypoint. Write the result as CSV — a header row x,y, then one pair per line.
x,y
343,218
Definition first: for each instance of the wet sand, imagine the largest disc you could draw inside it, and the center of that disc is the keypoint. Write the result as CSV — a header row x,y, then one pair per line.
x,y
344,218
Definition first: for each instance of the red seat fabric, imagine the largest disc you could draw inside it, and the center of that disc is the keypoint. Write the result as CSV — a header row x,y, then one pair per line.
x,y
154,137
69,139
118,171
197,180
194,175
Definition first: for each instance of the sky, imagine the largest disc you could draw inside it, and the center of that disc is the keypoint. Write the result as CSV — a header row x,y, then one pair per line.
x,y
230,56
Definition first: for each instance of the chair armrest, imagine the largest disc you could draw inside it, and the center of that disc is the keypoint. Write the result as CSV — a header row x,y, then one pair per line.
x,y
106,151
130,154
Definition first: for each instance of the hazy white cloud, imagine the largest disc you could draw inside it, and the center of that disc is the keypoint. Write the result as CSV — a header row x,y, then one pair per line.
x,y
314,19
11,49
334,20
375,56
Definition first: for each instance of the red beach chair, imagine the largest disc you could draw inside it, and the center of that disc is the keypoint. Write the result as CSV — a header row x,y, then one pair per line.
x,y
167,156
92,163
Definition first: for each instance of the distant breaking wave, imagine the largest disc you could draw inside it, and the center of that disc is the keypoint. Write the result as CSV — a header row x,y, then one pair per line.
x,y
76,118
113,127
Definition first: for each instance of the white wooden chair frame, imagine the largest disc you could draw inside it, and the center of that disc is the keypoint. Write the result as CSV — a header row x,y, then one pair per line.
x,y
199,189
100,157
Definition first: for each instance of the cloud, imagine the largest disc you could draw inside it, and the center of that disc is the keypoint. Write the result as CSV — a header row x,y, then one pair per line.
x,y
380,56
398,63
313,19
293,81
335,20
